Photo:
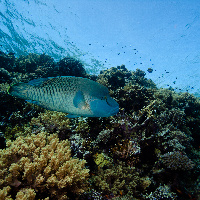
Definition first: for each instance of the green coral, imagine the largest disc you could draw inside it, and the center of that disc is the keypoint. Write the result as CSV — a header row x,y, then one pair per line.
x,y
101,160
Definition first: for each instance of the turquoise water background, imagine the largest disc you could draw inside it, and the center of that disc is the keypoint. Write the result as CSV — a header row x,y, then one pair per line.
x,y
162,35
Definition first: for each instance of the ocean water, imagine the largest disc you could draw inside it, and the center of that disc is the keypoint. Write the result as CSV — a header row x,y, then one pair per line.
x,y
162,35
146,52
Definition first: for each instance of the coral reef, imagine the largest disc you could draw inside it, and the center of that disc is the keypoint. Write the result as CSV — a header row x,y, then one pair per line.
x,y
149,150
7,61
14,113
69,66
52,122
176,160
41,166
42,65
115,78
117,180
101,160
4,76
162,192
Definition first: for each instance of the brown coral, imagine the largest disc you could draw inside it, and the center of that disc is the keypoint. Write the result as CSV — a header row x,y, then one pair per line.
x,y
117,179
51,121
70,66
41,166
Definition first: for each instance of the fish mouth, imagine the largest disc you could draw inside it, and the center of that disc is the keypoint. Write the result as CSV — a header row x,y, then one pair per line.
x,y
114,106
114,111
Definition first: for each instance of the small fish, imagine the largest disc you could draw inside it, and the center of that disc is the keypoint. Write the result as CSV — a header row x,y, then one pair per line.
x,y
73,95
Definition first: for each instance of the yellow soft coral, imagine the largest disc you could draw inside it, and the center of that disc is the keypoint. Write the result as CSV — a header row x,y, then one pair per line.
x,y
41,165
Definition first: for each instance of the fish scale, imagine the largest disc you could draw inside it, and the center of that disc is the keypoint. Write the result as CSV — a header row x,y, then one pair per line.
x,y
73,95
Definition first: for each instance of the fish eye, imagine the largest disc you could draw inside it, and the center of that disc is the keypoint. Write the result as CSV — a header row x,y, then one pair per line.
x,y
104,98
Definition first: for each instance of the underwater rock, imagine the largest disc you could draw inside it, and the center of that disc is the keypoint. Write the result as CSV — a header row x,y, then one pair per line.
x,y
138,77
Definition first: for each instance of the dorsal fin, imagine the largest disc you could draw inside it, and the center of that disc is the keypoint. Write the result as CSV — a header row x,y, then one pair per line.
x,y
37,82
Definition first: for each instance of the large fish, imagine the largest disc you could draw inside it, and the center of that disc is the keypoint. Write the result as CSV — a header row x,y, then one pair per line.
x,y
73,95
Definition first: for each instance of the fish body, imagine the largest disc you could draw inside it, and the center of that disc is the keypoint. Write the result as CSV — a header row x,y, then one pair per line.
x,y
76,96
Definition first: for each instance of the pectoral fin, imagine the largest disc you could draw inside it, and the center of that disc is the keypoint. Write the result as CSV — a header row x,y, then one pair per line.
x,y
79,101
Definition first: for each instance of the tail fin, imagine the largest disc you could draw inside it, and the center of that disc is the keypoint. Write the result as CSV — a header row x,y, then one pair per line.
x,y
19,90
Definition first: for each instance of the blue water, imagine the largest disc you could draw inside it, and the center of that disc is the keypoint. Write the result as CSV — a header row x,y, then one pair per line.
x,y
163,35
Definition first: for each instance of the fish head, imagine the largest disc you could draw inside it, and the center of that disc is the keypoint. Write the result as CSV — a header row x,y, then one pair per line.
x,y
104,106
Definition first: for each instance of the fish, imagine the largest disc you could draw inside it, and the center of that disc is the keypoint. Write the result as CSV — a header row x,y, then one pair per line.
x,y
76,96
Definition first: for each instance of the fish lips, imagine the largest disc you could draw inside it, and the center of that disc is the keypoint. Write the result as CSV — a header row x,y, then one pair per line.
x,y
104,108
114,111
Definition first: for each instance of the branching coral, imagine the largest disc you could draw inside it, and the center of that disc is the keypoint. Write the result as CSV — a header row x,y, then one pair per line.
x,y
43,164
171,139
177,161
162,192
51,121
126,149
133,97
117,179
